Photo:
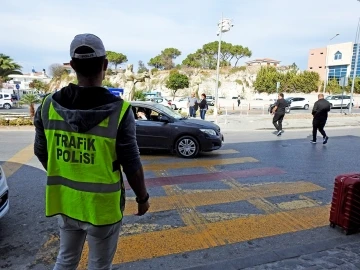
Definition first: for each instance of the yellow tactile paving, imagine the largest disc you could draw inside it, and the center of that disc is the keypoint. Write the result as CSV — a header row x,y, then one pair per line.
x,y
190,238
20,158
171,202
198,163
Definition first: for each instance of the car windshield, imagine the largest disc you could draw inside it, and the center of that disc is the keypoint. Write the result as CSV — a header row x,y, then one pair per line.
x,y
168,111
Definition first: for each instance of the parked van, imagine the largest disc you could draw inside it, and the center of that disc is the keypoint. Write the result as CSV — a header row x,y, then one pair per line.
x,y
6,100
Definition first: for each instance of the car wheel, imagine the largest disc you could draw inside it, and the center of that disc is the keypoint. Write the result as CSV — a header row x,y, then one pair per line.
x,y
7,106
306,107
331,106
187,147
173,106
287,109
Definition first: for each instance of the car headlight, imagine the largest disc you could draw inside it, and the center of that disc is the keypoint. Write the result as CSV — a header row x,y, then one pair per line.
x,y
209,131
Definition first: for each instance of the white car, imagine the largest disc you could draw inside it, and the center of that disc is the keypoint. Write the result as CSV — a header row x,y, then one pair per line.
x,y
6,100
4,194
338,101
180,103
298,103
160,100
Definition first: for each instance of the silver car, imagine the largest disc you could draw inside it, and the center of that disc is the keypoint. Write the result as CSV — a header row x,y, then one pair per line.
x,y
4,194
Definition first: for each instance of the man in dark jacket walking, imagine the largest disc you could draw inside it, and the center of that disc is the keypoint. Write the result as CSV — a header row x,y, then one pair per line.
x,y
320,113
83,135
279,113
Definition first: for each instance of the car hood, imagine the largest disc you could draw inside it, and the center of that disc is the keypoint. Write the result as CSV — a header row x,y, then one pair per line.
x,y
200,123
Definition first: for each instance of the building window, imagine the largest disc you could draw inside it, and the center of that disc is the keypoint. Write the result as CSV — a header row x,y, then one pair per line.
x,y
320,67
338,55
321,53
312,54
310,67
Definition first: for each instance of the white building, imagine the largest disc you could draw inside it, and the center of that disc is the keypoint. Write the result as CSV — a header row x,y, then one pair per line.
x,y
24,80
264,62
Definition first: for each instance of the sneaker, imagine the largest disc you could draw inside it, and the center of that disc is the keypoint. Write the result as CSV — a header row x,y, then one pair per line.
x,y
278,133
325,140
313,142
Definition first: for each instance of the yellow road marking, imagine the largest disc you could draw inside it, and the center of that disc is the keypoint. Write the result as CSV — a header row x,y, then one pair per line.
x,y
304,202
161,173
186,208
264,205
223,152
20,158
185,239
165,203
198,163
213,153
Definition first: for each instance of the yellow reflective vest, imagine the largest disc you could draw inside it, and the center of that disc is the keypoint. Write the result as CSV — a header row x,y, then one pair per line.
x,y
84,181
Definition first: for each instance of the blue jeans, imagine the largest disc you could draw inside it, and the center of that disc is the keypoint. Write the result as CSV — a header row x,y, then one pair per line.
x,y
192,111
202,114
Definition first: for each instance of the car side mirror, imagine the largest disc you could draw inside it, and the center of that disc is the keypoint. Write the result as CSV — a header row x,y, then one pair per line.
x,y
164,119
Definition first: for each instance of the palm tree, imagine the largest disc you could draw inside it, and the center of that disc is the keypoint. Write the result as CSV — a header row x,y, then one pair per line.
x,y
30,100
8,66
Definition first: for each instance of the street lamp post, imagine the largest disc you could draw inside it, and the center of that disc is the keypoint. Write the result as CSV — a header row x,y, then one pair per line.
x,y
224,26
355,66
326,66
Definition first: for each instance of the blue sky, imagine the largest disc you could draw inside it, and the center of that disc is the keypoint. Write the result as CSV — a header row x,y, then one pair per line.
x,y
38,33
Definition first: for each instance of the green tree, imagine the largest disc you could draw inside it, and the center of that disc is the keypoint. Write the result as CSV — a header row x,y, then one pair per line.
x,y
7,67
165,60
238,52
192,60
156,62
177,81
39,86
116,58
266,80
333,87
139,95
141,67
30,100
206,57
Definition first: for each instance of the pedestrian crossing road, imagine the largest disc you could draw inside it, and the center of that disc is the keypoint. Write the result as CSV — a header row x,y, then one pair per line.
x,y
209,208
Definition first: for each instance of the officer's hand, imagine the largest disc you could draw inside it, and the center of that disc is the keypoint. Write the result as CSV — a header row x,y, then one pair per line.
x,y
143,208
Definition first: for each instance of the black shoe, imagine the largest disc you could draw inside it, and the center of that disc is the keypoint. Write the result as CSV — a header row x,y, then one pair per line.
x,y
313,142
325,140
278,133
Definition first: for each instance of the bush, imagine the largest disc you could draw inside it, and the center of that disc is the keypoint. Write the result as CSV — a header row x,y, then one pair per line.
x,y
237,69
107,83
16,122
139,95
154,70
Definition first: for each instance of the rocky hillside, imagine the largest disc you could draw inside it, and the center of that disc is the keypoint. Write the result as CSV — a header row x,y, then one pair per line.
x,y
232,81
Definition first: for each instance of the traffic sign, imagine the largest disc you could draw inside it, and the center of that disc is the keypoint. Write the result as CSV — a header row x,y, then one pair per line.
x,y
17,86
343,81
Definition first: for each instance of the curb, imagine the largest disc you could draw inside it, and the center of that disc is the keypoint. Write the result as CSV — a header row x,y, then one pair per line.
x,y
17,128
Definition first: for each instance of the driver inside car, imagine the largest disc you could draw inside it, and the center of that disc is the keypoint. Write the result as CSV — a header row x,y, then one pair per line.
x,y
141,114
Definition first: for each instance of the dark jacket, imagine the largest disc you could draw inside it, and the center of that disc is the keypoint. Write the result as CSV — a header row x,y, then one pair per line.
x,y
321,109
203,104
83,108
281,104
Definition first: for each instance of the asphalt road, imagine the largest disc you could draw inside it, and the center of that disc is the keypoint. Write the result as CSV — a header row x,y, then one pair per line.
x,y
260,193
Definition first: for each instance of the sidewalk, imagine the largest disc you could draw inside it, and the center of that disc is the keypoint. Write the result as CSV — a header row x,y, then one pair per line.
x,y
291,121
328,254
